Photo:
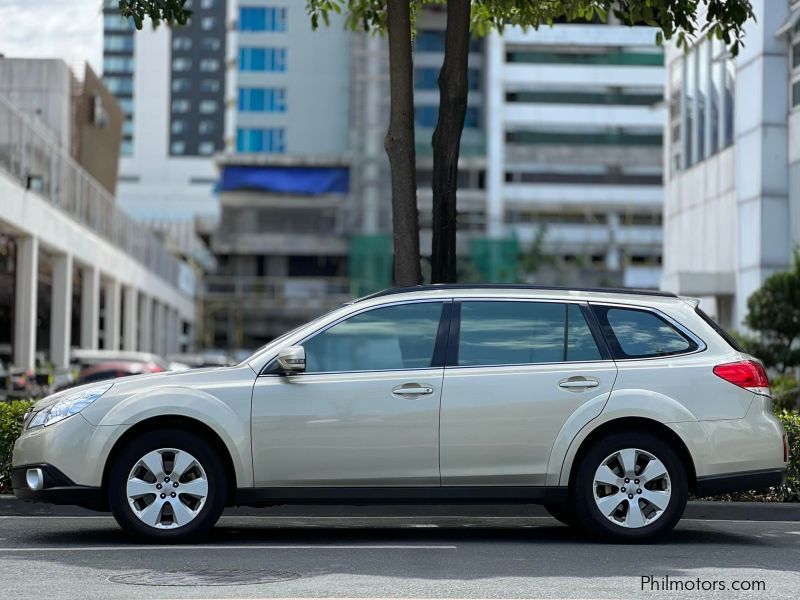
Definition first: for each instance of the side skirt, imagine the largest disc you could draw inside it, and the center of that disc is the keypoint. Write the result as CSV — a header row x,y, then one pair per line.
x,y
401,495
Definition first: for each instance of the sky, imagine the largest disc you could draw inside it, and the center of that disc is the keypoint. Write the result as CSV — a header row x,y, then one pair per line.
x,y
68,29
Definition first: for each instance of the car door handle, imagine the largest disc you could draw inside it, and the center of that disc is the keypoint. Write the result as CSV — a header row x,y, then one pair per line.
x,y
578,384
411,390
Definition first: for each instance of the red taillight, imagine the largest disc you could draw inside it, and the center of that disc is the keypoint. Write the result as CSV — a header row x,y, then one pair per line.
x,y
747,374
785,448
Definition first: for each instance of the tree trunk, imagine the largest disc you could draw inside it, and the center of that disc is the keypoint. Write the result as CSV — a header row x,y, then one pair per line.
x,y
400,147
453,90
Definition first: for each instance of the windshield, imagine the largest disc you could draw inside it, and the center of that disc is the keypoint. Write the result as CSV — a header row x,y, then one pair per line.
x,y
286,335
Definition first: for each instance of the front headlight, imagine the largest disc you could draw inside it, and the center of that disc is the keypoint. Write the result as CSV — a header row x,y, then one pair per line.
x,y
69,405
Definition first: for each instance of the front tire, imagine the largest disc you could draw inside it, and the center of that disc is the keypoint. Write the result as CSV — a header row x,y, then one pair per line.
x,y
167,486
630,487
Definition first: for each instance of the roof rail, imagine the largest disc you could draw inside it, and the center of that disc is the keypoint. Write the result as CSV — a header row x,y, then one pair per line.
x,y
511,286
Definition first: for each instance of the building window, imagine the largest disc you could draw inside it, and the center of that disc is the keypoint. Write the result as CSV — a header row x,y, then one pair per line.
x,y
177,148
207,4
117,23
181,64
126,148
118,64
206,127
208,107
207,23
209,65
205,148
181,85
118,43
181,106
119,85
181,43
127,128
209,85
211,44
178,126
262,59
427,116
259,18
262,99
270,140
126,104
702,110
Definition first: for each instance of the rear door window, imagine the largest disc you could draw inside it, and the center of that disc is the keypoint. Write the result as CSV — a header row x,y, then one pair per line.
x,y
636,333
495,333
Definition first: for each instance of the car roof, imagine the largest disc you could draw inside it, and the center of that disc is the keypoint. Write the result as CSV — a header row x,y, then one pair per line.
x,y
522,291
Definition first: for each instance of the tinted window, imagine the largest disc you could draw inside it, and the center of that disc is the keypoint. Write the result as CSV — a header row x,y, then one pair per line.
x,y
635,333
509,333
722,333
580,342
394,337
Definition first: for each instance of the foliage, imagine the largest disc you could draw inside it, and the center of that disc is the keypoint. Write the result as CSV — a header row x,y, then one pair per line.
x,y
10,427
724,19
774,314
785,392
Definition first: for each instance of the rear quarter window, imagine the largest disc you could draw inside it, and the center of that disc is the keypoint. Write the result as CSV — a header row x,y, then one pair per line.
x,y
639,333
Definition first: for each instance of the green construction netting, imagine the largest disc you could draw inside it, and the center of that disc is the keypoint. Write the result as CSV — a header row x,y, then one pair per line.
x,y
370,263
495,260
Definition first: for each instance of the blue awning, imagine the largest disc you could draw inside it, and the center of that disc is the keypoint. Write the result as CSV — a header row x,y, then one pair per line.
x,y
306,181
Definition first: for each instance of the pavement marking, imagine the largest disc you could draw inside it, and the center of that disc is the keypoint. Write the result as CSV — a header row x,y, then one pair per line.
x,y
231,547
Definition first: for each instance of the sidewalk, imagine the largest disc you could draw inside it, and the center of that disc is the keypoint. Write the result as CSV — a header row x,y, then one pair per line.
x,y
724,511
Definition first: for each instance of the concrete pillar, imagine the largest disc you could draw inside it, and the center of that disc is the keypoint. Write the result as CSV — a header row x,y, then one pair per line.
x,y
172,331
90,307
61,311
27,276
159,314
112,315
495,136
130,320
146,324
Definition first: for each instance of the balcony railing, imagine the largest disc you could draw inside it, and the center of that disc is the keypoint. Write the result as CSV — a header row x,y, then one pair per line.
x,y
31,155
289,292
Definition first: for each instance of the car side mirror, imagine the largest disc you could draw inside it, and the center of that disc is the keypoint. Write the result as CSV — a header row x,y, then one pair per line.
x,y
292,360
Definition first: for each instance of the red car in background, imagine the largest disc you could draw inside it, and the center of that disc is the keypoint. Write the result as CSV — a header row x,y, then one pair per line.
x,y
114,369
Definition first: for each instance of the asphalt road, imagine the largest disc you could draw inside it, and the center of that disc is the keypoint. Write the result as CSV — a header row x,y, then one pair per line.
x,y
401,557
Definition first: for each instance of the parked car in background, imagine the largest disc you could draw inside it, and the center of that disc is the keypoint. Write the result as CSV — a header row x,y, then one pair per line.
x,y
84,358
113,370
609,407
207,358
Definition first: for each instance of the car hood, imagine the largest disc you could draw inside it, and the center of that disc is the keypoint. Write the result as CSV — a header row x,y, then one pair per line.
x,y
133,384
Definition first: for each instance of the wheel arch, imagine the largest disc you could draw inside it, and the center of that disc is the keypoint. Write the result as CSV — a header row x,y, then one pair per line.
x,y
183,423
637,425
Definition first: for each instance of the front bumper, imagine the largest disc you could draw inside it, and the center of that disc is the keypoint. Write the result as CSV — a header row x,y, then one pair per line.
x,y
714,485
56,488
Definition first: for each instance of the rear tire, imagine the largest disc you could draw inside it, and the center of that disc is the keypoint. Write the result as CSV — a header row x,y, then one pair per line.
x,y
167,486
564,513
630,487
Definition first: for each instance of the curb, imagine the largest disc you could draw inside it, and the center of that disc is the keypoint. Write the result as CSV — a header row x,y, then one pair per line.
x,y
723,511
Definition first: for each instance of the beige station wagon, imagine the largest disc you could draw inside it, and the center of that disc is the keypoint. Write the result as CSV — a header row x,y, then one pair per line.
x,y
607,406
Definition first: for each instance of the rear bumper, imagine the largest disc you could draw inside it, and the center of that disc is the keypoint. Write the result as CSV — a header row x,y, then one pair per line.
x,y
714,485
57,489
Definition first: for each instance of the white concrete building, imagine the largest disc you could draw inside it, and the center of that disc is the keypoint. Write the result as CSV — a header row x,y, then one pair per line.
x,y
71,238
574,132
288,86
732,208
170,83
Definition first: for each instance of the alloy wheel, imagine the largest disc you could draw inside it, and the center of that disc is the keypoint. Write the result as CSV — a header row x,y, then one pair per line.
x,y
167,488
632,488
